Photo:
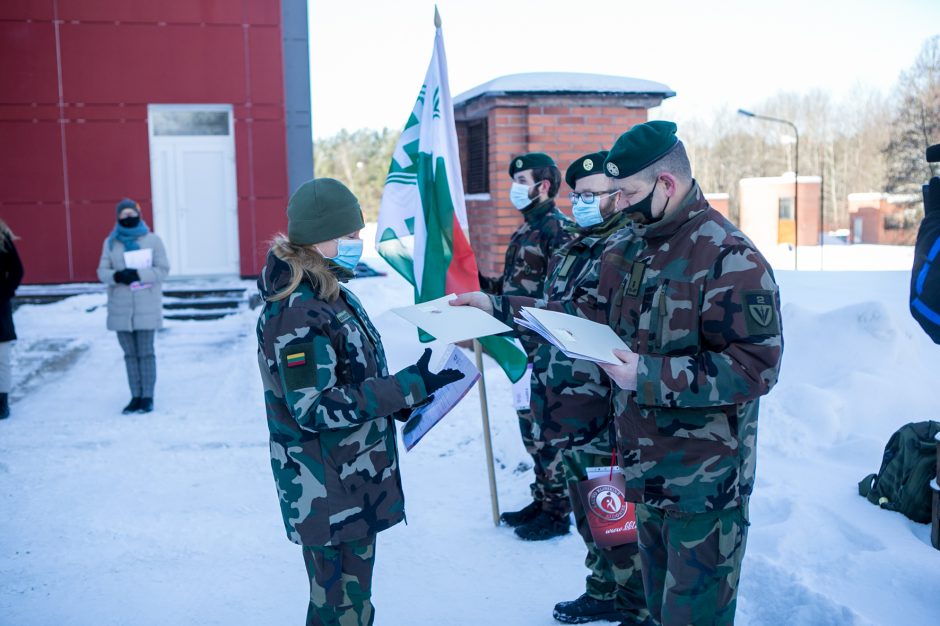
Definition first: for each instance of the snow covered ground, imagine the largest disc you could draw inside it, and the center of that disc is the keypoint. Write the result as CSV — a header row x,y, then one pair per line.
x,y
172,518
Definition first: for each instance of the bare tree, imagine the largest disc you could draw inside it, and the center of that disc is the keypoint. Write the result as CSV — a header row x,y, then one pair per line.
x,y
916,123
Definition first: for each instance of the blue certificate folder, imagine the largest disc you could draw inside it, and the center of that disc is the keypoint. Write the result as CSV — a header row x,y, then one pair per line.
x,y
443,400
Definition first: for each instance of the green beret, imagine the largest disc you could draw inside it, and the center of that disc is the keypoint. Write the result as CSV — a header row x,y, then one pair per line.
x,y
320,210
640,147
588,165
529,161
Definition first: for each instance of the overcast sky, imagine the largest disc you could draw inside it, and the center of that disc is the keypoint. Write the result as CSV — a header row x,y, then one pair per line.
x,y
368,57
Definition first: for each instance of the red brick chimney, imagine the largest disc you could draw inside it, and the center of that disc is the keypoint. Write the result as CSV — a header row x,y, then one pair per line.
x,y
562,114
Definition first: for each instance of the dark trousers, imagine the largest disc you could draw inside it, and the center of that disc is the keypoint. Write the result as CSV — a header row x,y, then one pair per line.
x,y
692,563
550,488
341,583
140,360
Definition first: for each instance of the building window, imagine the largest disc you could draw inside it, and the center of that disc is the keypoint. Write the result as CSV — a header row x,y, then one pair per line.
x,y
192,122
478,179
785,206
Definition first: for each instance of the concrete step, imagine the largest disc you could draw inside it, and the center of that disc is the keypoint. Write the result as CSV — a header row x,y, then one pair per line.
x,y
202,303
198,315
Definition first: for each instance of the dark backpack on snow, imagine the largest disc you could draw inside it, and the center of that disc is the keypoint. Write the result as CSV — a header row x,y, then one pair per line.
x,y
907,467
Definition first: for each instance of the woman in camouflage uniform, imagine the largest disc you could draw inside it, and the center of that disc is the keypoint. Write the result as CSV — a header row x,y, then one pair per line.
x,y
330,402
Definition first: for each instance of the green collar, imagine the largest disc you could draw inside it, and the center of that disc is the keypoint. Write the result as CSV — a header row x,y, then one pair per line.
x,y
603,230
536,211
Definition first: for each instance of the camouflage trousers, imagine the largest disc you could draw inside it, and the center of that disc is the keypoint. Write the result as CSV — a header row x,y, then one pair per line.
x,y
692,563
550,487
615,572
341,583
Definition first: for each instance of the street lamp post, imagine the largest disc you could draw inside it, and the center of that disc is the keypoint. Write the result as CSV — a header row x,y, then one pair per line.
x,y
796,178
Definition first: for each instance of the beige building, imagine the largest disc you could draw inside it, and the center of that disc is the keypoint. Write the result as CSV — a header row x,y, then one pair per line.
x,y
766,210
720,202
882,218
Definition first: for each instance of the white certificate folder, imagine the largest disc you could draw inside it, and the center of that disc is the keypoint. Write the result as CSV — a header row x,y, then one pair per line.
x,y
451,324
575,336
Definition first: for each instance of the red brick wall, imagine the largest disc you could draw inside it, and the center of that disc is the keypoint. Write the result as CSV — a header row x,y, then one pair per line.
x,y
565,128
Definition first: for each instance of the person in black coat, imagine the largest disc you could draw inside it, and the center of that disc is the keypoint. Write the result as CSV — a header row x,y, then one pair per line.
x,y
925,277
11,274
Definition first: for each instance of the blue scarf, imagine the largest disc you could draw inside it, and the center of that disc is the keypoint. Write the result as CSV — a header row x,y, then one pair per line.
x,y
128,236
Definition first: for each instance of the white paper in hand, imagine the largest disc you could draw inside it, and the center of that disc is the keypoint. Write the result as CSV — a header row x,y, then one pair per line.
x,y
138,260
575,336
451,324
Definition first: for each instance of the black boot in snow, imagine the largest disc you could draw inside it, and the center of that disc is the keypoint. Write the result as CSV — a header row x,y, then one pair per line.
x,y
146,405
544,526
4,406
586,609
523,516
132,406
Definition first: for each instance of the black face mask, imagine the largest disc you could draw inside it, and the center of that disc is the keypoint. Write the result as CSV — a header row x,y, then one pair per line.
x,y
129,222
645,207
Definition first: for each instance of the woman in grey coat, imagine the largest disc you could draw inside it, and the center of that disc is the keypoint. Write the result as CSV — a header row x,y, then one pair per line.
x,y
134,265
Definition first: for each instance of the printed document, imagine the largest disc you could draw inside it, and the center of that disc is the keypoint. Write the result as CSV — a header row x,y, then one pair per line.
x,y
443,400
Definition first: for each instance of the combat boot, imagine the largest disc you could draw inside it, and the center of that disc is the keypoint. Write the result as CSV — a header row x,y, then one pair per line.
x,y
4,406
586,609
146,405
522,516
544,526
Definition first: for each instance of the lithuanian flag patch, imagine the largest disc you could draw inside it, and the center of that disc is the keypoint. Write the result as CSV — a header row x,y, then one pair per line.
x,y
297,359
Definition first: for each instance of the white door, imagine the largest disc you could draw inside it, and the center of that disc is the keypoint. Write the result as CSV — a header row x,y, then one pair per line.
x,y
195,202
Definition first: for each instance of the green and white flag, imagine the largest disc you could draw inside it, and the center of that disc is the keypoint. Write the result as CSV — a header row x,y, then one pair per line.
x,y
423,217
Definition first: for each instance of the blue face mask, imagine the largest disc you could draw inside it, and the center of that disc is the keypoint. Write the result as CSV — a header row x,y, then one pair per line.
x,y
587,214
348,253
519,195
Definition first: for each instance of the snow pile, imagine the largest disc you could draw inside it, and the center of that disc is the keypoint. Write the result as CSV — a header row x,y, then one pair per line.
x,y
172,517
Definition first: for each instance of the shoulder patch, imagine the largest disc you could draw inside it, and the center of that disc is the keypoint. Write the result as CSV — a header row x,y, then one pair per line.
x,y
761,313
297,365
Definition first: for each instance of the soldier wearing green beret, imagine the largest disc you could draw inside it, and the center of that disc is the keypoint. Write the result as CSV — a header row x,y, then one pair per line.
x,y
535,183
698,306
571,399
330,402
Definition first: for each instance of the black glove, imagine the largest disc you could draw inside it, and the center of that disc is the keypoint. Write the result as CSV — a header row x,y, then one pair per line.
x,y
126,277
405,414
432,381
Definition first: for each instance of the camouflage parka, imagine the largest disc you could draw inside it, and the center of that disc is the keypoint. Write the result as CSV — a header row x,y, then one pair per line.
x,y
571,398
329,401
543,232
698,302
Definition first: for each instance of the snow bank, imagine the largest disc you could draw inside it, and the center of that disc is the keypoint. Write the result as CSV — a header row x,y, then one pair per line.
x,y
172,517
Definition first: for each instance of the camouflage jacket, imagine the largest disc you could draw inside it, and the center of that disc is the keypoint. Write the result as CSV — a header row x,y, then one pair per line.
x,y
329,398
696,300
544,230
571,398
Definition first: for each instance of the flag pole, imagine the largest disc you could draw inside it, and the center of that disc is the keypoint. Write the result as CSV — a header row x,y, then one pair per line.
x,y
487,441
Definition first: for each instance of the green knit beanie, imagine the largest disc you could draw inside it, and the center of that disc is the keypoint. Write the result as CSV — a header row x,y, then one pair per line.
x,y
320,210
